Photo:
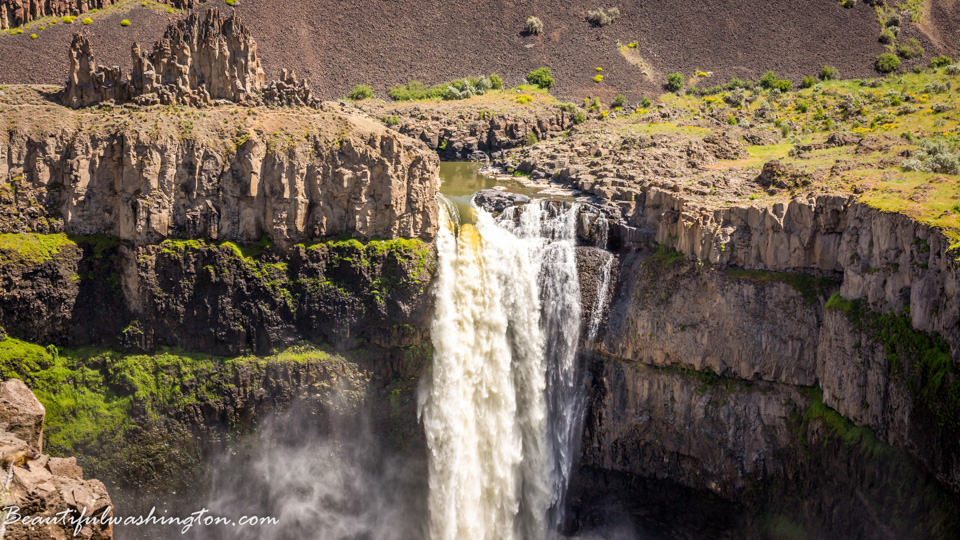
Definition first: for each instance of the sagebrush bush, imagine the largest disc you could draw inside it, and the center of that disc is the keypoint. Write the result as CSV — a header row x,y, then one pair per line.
x,y
599,17
934,156
542,77
360,92
887,63
953,69
910,49
533,26
674,82
828,73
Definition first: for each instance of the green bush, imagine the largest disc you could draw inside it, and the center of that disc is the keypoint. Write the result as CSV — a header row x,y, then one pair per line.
x,y
808,82
910,49
542,77
533,26
828,73
361,91
496,82
68,19
619,101
887,37
87,20
940,61
416,90
125,22
599,17
887,63
770,81
674,82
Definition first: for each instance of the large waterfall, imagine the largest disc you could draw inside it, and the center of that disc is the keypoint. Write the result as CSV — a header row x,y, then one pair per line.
x,y
502,405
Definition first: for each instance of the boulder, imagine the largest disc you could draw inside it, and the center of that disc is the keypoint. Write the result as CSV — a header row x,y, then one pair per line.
x,y
21,413
496,201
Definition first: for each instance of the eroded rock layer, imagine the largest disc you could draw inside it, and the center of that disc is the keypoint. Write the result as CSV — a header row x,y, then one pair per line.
x,y
233,174
201,58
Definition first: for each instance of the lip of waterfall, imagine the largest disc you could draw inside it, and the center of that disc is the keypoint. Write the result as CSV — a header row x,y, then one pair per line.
x,y
505,400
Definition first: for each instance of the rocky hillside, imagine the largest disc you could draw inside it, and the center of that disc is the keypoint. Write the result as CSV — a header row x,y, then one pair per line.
x,y
336,45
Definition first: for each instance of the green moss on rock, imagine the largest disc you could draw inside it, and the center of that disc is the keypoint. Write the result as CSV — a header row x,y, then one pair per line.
x,y
32,248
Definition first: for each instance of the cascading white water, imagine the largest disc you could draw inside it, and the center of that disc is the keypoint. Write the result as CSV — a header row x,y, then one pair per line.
x,y
502,408
601,299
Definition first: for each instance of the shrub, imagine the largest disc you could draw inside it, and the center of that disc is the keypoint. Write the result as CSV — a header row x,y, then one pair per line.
x,y
530,139
887,63
34,36
619,101
646,102
887,37
416,90
579,118
934,156
598,78
893,20
360,91
770,81
828,73
125,22
524,98
953,69
87,20
940,61
534,26
542,77
674,82
496,83
910,49
808,82
231,2
68,19
599,17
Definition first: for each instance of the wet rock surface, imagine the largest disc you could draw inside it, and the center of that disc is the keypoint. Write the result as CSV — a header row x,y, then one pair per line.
x,y
496,201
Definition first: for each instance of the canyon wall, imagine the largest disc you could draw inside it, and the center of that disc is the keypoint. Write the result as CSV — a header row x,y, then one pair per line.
x,y
229,174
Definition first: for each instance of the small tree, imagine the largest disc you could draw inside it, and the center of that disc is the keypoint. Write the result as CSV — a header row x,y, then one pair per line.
x,y
674,82
361,91
887,63
542,77
534,26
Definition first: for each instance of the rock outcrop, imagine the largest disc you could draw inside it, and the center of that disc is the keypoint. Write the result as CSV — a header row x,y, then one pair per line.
x,y
201,58
15,13
43,486
146,177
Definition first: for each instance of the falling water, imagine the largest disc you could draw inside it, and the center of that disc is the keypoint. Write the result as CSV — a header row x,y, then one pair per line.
x,y
603,284
502,407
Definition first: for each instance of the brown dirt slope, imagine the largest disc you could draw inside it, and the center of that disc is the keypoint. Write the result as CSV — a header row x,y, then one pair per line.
x,y
339,43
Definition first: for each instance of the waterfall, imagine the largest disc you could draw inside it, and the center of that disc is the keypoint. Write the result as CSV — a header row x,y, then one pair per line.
x,y
502,407
603,284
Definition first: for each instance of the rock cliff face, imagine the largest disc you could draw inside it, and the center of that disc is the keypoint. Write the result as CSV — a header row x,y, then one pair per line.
x,y
40,485
710,377
232,174
200,58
